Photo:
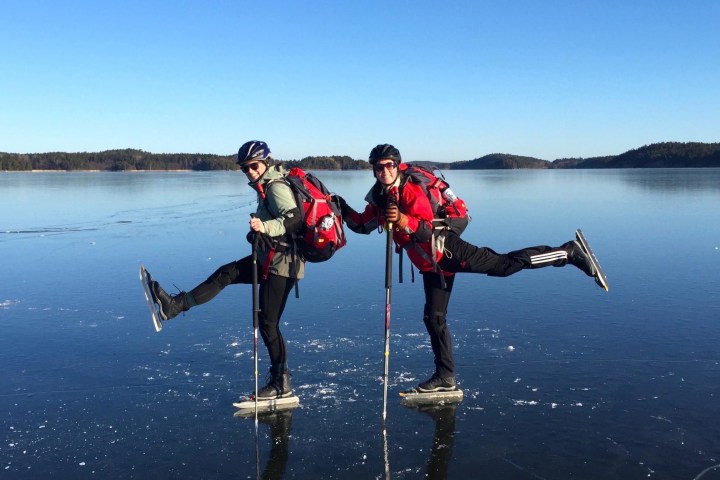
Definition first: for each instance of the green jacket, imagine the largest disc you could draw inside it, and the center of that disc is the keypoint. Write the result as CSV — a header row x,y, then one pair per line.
x,y
273,211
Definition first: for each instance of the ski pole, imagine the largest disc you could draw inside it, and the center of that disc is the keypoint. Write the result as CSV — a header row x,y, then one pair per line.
x,y
386,453
255,312
388,289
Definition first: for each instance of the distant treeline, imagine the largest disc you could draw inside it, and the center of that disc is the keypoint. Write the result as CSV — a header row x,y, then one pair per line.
x,y
329,163
658,155
130,160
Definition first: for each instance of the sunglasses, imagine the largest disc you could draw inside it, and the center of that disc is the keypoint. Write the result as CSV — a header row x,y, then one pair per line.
x,y
379,167
250,166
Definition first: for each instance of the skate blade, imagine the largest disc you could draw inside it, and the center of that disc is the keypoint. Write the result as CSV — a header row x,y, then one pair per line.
x,y
600,278
154,309
415,397
246,406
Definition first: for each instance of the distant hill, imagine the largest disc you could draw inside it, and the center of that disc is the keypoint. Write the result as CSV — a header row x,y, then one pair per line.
x,y
590,162
500,161
658,155
666,155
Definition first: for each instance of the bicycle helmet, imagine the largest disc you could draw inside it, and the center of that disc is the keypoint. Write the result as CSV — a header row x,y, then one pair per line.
x,y
253,151
384,151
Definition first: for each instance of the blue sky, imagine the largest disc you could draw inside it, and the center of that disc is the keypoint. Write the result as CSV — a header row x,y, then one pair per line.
x,y
442,81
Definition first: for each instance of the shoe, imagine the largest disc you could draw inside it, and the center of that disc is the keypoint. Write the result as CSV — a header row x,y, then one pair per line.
x,y
170,306
277,387
436,383
578,258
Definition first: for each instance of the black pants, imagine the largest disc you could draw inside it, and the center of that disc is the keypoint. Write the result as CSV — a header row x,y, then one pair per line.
x,y
437,297
274,292
462,256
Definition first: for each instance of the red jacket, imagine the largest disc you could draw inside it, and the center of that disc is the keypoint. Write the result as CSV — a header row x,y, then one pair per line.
x,y
413,202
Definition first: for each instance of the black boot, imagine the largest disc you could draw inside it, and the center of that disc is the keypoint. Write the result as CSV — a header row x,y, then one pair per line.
x,y
578,258
170,305
436,383
277,387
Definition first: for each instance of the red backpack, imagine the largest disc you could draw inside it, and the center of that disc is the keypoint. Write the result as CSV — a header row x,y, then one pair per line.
x,y
450,211
321,234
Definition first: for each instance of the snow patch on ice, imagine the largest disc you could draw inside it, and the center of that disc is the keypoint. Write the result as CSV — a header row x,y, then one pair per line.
x,y
317,344
662,419
405,377
8,303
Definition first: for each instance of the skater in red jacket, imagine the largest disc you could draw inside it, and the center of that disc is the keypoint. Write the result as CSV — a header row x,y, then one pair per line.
x,y
440,253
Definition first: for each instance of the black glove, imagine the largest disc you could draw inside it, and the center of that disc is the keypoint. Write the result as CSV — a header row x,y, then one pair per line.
x,y
344,207
265,243
339,200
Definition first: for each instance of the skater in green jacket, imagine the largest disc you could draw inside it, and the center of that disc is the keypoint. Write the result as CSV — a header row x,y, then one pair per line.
x,y
277,217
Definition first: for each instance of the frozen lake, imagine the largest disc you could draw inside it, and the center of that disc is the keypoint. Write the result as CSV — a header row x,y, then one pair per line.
x,y
616,385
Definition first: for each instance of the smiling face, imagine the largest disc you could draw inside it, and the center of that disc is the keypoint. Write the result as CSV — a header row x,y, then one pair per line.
x,y
386,171
254,170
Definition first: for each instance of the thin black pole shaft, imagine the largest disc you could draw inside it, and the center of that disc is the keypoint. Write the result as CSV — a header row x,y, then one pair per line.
x,y
388,292
255,318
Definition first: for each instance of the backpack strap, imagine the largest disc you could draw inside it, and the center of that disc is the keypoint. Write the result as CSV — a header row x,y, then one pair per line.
x,y
400,262
437,228
290,245
268,262
289,236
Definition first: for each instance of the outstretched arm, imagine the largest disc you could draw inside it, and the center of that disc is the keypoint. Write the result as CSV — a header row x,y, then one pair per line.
x,y
363,223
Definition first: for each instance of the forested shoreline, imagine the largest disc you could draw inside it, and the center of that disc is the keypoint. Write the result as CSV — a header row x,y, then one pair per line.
x,y
659,155
139,160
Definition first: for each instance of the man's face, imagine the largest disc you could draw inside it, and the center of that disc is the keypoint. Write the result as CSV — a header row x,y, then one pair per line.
x,y
386,171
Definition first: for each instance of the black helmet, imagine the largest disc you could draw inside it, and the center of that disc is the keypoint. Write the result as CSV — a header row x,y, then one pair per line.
x,y
384,151
253,151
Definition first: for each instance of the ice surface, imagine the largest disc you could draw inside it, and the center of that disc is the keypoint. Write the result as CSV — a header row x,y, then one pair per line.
x,y
623,385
